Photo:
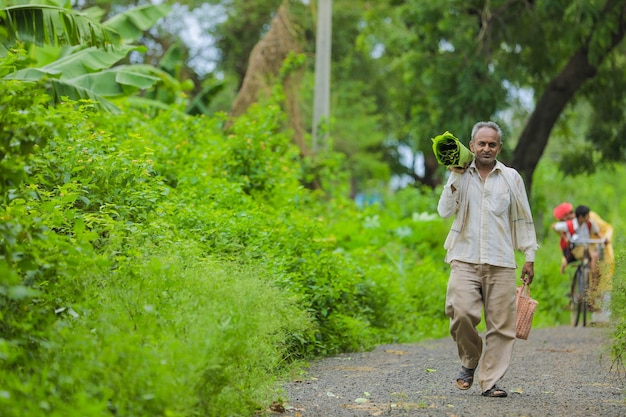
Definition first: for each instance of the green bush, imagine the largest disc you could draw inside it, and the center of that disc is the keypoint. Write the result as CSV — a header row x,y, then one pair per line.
x,y
165,334
618,313
158,264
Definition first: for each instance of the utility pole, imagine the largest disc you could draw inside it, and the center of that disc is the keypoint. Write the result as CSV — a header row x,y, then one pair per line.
x,y
321,107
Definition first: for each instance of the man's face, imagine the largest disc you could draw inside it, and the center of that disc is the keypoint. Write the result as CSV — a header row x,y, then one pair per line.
x,y
485,145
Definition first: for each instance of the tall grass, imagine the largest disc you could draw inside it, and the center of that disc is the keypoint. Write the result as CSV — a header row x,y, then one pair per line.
x,y
179,336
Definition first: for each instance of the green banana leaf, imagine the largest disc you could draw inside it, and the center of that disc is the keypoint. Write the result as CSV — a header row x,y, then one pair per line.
x,y
80,56
449,151
42,24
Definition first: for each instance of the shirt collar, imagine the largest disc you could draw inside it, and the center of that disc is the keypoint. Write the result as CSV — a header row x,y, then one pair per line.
x,y
497,167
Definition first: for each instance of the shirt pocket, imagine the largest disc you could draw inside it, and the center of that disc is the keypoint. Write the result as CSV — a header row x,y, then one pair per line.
x,y
499,203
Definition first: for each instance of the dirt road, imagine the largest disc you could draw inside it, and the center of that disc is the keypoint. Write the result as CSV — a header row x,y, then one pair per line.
x,y
561,371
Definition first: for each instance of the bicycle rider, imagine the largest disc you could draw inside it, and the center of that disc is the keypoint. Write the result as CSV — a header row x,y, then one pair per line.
x,y
565,211
577,227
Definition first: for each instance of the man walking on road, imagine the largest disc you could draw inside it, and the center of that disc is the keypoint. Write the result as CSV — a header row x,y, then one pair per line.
x,y
493,219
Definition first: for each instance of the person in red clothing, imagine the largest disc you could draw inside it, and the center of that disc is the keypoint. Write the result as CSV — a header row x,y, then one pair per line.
x,y
588,224
579,229
564,212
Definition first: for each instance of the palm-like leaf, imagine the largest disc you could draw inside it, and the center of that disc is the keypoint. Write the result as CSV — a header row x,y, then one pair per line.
x,y
88,74
86,70
75,64
61,89
131,24
49,25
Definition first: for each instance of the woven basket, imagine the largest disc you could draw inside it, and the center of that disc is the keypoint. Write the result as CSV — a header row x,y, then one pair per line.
x,y
525,310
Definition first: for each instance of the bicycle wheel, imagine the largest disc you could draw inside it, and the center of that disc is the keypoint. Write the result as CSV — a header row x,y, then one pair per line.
x,y
577,297
584,285
578,300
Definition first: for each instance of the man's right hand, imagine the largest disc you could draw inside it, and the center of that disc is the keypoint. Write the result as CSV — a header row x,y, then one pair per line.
x,y
457,169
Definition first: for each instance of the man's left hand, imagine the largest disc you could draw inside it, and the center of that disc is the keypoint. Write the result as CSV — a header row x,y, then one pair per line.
x,y
528,272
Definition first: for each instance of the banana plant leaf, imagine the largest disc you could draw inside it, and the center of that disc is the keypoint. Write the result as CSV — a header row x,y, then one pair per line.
x,y
42,24
449,151
88,52
131,24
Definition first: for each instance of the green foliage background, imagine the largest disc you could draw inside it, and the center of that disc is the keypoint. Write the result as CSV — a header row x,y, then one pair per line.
x,y
143,255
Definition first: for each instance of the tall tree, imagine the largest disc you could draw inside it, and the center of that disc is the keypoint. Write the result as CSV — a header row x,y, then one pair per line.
x,y
356,95
407,70
453,62
605,28
456,62
246,22
266,61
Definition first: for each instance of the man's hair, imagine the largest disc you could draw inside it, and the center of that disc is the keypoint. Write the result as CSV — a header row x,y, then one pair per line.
x,y
490,124
582,211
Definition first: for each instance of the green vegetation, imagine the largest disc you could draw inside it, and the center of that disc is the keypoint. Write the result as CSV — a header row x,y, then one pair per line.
x,y
618,310
75,55
144,256
157,263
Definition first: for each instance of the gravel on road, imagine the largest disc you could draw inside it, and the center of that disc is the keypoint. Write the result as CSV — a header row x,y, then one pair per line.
x,y
562,371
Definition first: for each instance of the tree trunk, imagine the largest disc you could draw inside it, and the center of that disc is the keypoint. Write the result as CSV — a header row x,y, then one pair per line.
x,y
266,60
559,92
550,105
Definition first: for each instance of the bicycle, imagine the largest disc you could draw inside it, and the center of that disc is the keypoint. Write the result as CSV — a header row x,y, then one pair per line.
x,y
579,290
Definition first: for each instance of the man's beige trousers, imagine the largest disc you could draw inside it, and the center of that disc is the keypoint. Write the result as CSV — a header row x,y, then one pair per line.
x,y
471,288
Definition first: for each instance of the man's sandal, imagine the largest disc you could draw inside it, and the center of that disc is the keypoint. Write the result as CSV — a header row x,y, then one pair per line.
x,y
465,378
495,392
